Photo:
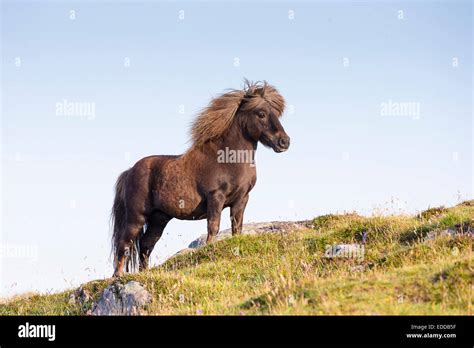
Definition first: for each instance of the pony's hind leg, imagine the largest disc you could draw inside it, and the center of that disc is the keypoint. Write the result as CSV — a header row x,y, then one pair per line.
x,y
155,225
125,253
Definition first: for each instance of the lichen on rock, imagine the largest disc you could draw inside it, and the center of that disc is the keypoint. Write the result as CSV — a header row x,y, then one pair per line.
x,y
119,299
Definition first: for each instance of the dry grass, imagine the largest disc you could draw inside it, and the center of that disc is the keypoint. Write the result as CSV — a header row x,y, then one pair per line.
x,y
407,268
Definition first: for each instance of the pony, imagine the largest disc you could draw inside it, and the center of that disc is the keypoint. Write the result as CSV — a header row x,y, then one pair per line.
x,y
216,172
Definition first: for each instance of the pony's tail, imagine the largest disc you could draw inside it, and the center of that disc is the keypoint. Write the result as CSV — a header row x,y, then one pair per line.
x,y
118,219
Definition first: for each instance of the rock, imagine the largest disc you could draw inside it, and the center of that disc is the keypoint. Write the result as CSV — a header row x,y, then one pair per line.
x,y
196,243
460,229
118,299
256,228
81,295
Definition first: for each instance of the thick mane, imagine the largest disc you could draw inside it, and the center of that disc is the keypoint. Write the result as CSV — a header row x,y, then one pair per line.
x,y
216,118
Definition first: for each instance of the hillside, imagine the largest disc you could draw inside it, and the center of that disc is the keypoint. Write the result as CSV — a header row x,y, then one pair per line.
x,y
406,265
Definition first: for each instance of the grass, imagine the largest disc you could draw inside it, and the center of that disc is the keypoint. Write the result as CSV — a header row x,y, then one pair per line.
x,y
402,271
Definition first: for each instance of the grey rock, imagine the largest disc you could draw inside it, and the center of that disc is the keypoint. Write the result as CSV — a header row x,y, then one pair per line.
x,y
81,295
256,228
449,232
118,299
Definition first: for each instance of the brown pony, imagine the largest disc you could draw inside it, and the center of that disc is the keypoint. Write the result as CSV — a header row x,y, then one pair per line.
x,y
216,172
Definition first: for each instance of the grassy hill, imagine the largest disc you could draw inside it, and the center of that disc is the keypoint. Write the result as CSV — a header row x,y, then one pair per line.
x,y
411,265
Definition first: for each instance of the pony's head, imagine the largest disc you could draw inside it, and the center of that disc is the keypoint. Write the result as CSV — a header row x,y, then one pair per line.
x,y
257,109
259,114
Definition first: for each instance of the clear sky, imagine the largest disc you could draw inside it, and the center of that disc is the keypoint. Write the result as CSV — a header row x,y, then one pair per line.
x,y
148,67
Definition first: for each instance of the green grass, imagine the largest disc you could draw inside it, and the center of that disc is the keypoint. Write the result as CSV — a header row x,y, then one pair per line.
x,y
402,272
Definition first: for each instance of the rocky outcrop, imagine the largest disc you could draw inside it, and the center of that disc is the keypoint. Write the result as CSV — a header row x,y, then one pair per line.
x,y
255,228
119,299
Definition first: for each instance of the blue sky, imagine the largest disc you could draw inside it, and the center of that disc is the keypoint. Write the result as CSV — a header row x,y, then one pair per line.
x,y
334,62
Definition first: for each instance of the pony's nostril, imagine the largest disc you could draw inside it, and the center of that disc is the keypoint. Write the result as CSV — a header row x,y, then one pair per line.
x,y
284,142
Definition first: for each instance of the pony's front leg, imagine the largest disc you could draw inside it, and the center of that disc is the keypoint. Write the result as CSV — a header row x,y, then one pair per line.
x,y
237,215
214,210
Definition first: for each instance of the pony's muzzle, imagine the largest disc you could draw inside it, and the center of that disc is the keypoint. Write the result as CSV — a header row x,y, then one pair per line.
x,y
284,142
281,144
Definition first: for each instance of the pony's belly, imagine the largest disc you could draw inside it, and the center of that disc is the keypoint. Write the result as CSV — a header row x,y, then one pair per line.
x,y
181,214
190,210
193,216
184,207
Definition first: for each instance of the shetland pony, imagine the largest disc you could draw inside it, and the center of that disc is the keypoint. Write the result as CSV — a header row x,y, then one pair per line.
x,y
201,182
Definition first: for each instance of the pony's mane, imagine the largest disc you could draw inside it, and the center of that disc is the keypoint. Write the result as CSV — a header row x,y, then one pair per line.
x,y
214,120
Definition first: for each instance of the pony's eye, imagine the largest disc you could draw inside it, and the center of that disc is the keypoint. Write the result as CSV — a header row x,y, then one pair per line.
x,y
261,114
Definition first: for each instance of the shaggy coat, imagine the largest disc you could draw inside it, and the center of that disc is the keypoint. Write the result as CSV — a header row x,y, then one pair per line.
x,y
197,184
